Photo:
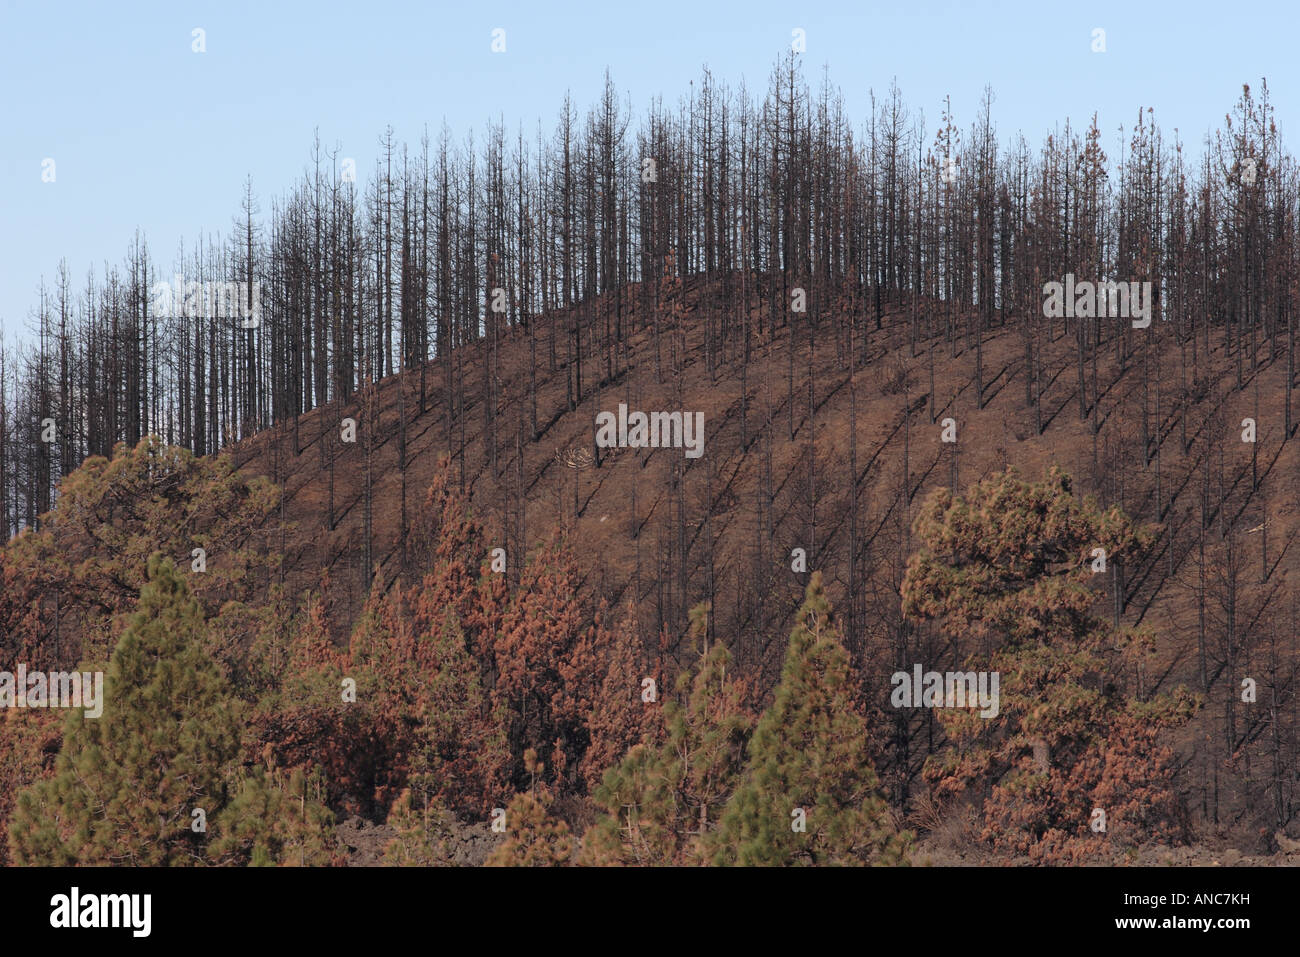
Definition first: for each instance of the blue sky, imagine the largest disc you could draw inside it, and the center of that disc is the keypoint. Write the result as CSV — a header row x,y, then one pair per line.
x,y
145,133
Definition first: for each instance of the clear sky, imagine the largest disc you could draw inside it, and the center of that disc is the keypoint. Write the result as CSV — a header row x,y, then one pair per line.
x,y
145,133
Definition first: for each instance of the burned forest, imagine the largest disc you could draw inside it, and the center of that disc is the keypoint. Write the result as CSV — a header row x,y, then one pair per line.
x,y
731,479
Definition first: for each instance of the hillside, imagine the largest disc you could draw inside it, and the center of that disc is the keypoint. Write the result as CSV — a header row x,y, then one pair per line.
x,y
793,441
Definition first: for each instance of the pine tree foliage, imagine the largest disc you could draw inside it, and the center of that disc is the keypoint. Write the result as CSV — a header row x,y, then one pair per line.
x,y
423,837
618,716
1005,571
664,798
114,513
461,752
126,783
276,819
535,838
810,795
537,632
29,743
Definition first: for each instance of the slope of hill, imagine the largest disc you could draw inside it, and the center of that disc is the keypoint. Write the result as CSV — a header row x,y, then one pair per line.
x,y
800,454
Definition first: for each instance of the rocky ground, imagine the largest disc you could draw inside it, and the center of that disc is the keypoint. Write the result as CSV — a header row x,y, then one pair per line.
x,y
364,842
952,845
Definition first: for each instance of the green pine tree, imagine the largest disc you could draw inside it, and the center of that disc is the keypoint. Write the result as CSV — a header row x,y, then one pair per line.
x,y
126,784
535,838
665,796
273,823
810,794
423,835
